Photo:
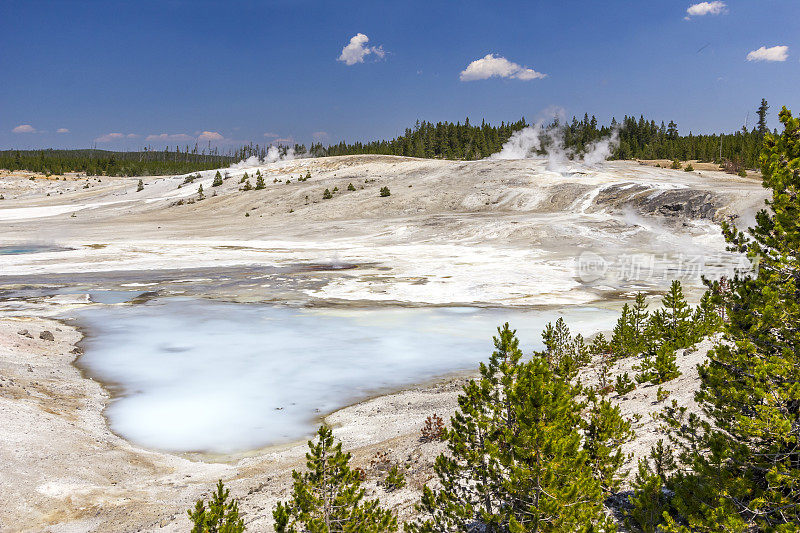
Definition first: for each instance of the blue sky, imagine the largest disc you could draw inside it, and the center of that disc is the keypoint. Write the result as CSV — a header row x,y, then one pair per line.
x,y
240,70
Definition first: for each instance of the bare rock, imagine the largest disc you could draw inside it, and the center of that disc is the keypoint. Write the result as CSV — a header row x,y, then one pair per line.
x,y
25,333
47,335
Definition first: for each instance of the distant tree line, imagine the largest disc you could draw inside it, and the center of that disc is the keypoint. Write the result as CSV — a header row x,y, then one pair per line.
x,y
443,140
638,139
106,163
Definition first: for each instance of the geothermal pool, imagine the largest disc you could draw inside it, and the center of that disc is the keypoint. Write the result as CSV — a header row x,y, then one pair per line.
x,y
201,375
20,249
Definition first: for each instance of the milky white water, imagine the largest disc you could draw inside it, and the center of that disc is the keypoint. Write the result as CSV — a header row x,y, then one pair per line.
x,y
201,375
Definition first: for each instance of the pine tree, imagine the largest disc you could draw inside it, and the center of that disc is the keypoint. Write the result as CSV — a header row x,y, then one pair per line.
x,y
200,194
395,479
762,118
745,453
515,460
706,319
221,515
260,181
564,353
664,366
623,338
551,481
140,186
472,475
217,179
605,433
649,500
639,316
329,498
629,339
676,314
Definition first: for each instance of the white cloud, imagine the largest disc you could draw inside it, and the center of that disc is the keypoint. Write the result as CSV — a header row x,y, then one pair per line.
x,y
492,66
62,130
132,136
200,136
169,137
776,53
210,136
706,8
357,49
24,128
270,134
109,137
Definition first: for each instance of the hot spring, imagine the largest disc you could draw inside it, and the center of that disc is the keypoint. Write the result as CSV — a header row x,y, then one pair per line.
x,y
200,375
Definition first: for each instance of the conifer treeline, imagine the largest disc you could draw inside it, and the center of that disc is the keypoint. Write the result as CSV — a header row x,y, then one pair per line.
x,y
638,139
443,140
106,163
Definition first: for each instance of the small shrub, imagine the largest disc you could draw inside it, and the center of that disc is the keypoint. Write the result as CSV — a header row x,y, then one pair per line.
x,y
360,473
648,502
662,394
689,168
395,479
624,385
743,173
327,195
433,429
665,366
380,461
220,515
247,186
645,370
676,165
200,194
260,181
350,187
385,192
247,214
217,179
140,186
